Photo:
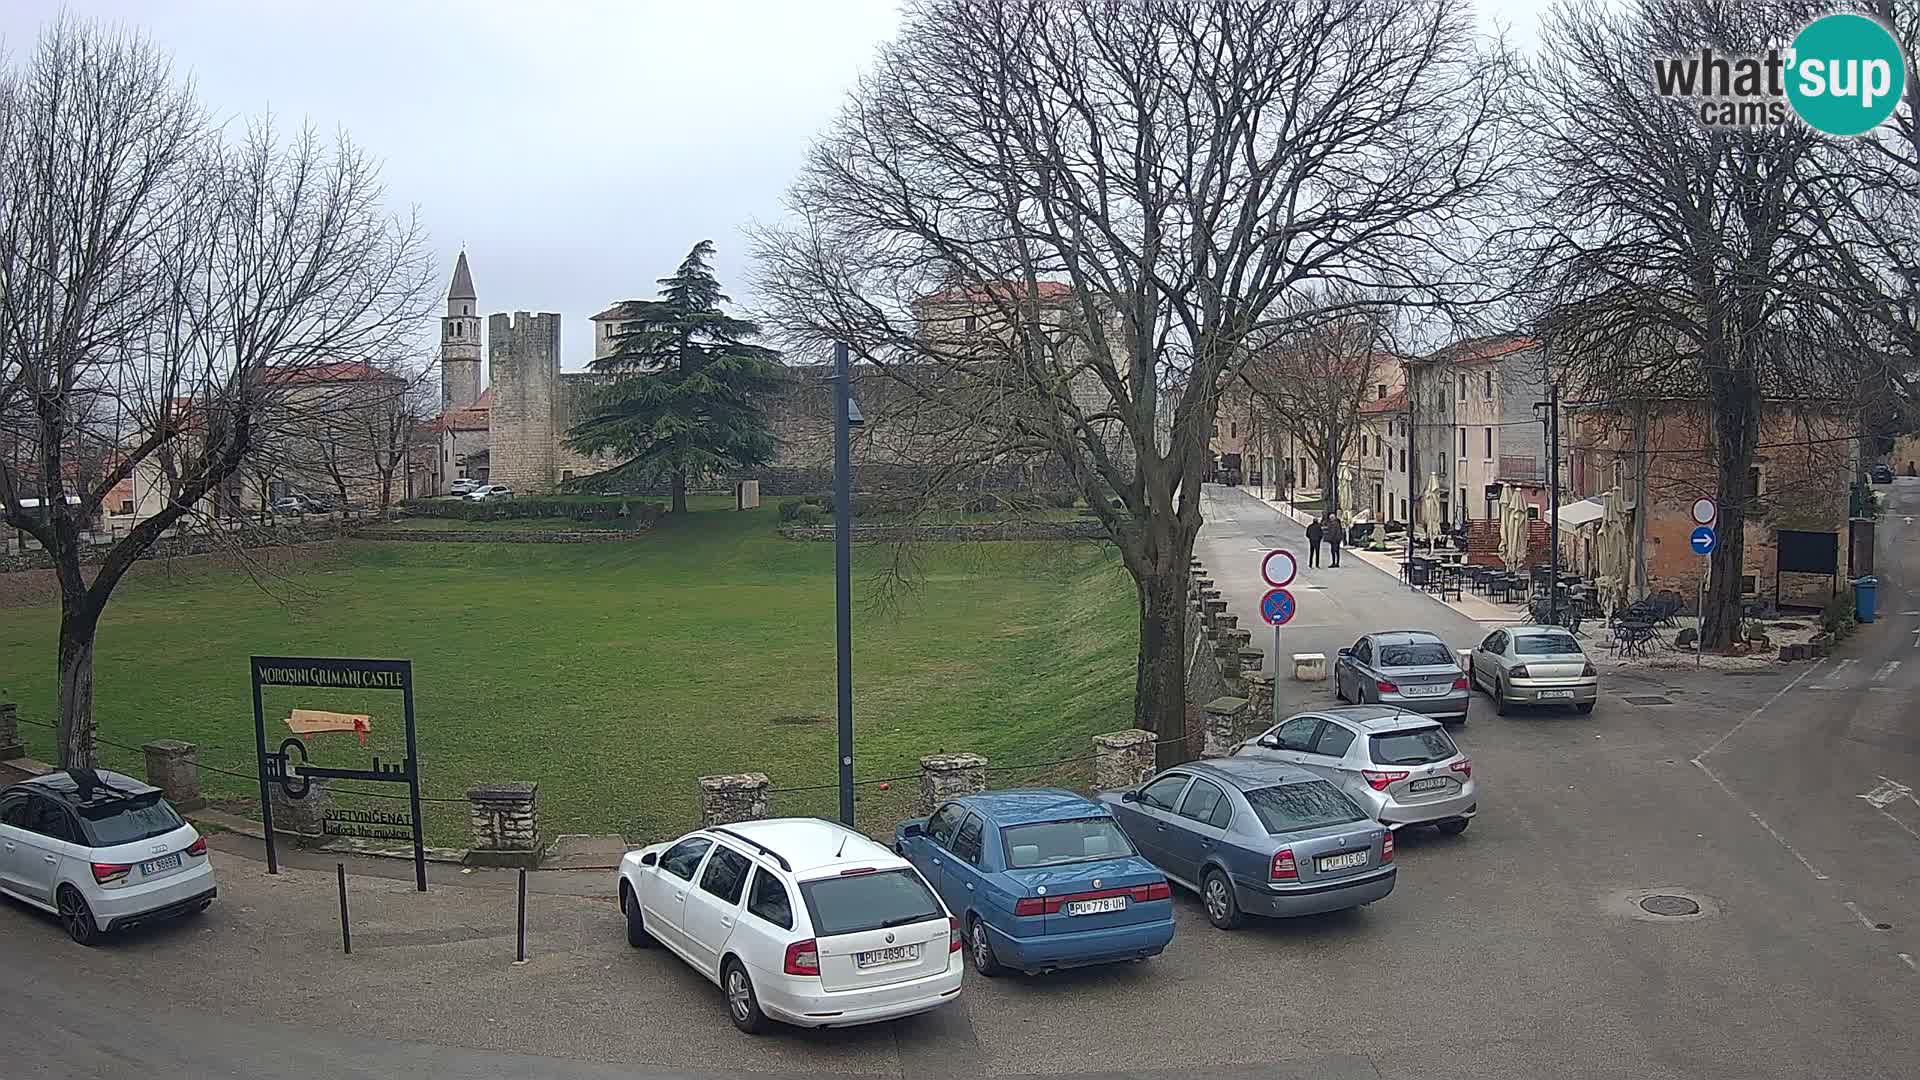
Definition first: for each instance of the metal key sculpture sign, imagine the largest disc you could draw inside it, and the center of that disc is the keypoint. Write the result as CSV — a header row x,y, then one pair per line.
x,y
290,768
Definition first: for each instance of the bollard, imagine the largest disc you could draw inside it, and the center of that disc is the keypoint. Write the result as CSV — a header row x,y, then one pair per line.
x,y
346,932
520,949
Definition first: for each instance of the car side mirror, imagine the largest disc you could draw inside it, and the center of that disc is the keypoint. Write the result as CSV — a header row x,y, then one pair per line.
x,y
1129,796
649,859
1345,652
1271,742
912,829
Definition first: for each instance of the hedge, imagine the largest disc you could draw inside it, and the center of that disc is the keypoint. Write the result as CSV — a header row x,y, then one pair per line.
x,y
637,513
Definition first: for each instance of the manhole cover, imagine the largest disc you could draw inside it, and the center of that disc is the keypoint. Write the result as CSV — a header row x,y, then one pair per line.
x,y
1647,699
1665,904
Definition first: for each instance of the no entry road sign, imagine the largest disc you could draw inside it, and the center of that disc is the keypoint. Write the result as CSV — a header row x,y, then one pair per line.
x,y
1277,607
1705,512
1279,567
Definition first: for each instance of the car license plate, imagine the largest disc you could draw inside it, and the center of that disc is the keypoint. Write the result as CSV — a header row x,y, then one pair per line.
x,y
899,954
1556,695
1343,862
1095,907
1431,783
155,866
1425,691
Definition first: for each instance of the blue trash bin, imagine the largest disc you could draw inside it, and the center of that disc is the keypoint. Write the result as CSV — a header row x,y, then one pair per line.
x,y
1865,590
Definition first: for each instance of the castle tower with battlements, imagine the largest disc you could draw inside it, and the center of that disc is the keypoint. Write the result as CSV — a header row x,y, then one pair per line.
x,y
526,425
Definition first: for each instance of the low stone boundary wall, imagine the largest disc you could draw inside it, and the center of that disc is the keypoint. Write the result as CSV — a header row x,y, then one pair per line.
x,y
503,536
988,530
177,547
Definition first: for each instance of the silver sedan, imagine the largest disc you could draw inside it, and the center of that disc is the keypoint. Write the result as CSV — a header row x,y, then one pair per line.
x,y
1534,665
1411,669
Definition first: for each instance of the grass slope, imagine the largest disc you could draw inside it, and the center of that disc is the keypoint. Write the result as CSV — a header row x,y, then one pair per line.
x,y
614,675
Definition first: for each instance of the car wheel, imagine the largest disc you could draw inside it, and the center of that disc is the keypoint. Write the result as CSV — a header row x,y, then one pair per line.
x,y
1500,696
1216,894
981,949
743,1007
1584,708
1473,677
1454,826
1339,687
77,918
637,935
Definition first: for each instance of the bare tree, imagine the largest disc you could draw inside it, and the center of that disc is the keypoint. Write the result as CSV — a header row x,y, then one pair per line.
x,y
1068,208
145,263
1313,380
1676,260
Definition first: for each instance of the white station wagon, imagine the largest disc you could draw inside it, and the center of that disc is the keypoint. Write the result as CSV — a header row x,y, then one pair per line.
x,y
796,919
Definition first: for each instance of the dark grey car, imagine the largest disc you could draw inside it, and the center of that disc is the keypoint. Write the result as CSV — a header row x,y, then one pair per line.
x,y
1412,670
1257,838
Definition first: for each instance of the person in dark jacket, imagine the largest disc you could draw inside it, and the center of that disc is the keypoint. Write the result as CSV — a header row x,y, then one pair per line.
x,y
1315,533
1335,533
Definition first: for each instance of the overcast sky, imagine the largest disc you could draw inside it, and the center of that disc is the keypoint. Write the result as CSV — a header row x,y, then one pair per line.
x,y
575,148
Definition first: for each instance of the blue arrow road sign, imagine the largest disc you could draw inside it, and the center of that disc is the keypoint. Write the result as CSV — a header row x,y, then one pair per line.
x,y
1703,540
1277,607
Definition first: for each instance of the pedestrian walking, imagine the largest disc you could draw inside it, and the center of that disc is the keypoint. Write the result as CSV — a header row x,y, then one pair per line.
x,y
1334,532
1315,532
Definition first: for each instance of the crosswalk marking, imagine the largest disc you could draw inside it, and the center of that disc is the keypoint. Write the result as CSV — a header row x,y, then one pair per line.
x,y
1851,674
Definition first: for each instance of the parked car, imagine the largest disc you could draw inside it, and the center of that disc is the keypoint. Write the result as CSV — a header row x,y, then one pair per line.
x,y
1257,838
291,504
1402,768
1411,669
486,492
1882,473
466,485
321,504
1534,665
1040,879
101,850
795,919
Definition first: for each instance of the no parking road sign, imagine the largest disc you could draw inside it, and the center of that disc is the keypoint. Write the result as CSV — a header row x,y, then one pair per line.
x,y
1277,609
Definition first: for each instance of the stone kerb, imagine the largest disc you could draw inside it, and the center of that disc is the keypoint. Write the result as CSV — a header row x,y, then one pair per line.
x,y
1222,730
1122,759
173,767
944,776
506,824
733,797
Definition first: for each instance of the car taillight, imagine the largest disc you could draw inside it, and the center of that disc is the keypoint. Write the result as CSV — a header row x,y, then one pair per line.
x,y
1378,781
1032,905
1386,687
953,934
1159,890
1587,670
803,958
1386,847
1464,766
1460,683
1518,672
198,847
1283,868
857,871
107,872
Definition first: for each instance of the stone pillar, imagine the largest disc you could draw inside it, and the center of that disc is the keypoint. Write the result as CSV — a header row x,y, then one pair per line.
x,y
1223,726
1122,759
303,817
506,824
10,746
943,776
1212,606
174,768
1259,700
734,797
1227,620
1250,660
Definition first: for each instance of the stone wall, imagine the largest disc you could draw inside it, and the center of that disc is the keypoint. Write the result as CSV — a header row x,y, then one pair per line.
x,y
183,546
506,825
502,536
525,354
988,530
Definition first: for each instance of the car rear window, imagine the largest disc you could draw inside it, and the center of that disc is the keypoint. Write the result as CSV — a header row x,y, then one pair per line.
x,y
1415,655
850,905
1544,644
124,822
1311,805
1419,746
1052,842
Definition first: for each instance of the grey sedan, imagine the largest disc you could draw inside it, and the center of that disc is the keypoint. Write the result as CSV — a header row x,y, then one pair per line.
x,y
1257,838
1410,669
1534,665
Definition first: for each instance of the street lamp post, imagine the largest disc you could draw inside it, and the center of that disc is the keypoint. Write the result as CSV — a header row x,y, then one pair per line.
x,y
845,415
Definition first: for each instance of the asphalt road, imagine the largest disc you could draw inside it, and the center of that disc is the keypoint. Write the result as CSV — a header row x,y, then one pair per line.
x,y
1512,951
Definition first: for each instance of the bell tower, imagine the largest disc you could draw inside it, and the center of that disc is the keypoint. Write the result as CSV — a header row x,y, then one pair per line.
x,y
460,341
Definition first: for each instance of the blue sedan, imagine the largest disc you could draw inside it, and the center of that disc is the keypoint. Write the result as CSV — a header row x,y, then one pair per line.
x,y
1040,879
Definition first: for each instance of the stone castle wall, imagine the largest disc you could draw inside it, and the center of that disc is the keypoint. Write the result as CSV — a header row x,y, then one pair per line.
x,y
524,443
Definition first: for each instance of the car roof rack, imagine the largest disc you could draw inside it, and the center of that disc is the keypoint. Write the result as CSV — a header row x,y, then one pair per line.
x,y
781,859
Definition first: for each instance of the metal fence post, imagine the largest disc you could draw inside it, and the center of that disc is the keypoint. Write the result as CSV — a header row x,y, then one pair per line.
x,y
346,931
520,950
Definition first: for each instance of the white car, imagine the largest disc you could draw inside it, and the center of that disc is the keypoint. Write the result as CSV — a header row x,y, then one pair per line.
x,y
489,491
796,919
466,485
101,850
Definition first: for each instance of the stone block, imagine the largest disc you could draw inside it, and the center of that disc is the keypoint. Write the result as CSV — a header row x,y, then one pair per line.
x,y
1463,657
10,745
1259,700
1122,759
1310,667
1227,620
505,820
733,797
1222,732
1251,659
945,776
174,768
303,817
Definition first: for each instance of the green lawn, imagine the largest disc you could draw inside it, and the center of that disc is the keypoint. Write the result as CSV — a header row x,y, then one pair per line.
x,y
614,674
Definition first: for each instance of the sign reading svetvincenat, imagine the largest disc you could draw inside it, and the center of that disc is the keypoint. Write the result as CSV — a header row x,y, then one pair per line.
x,y
1844,74
339,675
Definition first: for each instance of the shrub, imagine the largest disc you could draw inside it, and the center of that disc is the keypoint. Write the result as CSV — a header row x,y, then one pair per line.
x,y
1061,499
790,509
635,512
809,514
1838,614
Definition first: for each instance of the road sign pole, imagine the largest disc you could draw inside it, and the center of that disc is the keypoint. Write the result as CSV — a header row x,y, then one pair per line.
x,y
1276,673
